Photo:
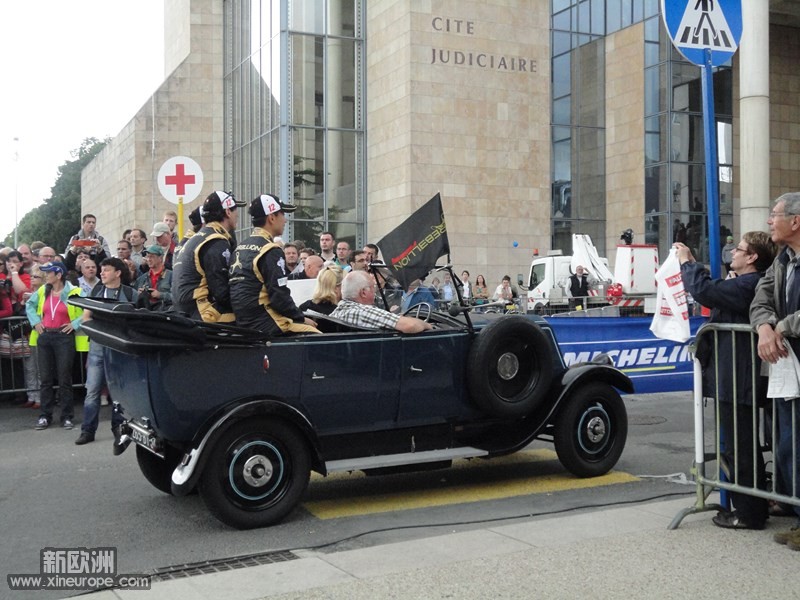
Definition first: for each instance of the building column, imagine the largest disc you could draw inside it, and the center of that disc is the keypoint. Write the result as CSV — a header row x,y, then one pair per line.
x,y
754,173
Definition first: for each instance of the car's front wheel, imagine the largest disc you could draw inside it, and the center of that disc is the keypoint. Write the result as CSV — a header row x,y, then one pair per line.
x,y
256,473
591,430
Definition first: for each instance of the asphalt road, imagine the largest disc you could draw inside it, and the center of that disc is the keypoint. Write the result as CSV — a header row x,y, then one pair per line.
x,y
56,494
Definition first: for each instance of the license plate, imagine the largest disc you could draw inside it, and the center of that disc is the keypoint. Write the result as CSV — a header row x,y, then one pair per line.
x,y
145,438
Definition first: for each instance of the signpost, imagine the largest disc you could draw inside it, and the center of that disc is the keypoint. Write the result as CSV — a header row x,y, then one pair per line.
x,y
180,179
706,33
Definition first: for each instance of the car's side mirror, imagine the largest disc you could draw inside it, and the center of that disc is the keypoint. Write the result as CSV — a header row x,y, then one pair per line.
x,y
521,282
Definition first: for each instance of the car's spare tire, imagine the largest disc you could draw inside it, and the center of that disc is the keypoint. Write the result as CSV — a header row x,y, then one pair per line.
x,y
510,367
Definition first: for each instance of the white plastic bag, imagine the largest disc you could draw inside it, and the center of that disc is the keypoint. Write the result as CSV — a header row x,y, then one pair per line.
x,y
671,319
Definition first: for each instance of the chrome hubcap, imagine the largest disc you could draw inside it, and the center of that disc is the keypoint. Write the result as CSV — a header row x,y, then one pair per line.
x,y
508,366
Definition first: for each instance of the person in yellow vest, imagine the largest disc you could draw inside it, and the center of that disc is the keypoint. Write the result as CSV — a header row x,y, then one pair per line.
x,y
200,274
259,295
56,336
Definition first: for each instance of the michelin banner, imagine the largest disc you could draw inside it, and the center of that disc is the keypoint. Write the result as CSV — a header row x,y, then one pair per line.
x,y
654,365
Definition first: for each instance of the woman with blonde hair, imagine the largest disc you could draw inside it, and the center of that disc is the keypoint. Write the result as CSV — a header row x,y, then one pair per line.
x,y
328,291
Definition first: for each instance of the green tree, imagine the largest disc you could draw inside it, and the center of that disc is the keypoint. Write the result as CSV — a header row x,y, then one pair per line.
x,y
59,217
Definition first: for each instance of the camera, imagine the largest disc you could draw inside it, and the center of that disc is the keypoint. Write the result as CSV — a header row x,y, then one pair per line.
x,y
5,285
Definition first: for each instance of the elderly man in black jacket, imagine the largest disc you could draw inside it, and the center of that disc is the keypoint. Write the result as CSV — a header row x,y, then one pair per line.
x,y
730,301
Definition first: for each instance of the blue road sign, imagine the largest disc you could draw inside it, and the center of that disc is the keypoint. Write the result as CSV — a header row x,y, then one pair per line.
x,y
699,25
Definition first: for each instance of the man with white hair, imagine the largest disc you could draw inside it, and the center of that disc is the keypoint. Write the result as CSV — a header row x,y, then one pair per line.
x,y
357,307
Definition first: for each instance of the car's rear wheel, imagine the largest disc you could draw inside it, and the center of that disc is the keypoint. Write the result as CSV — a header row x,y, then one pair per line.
x,y
510,367
591,430
157,470
256,473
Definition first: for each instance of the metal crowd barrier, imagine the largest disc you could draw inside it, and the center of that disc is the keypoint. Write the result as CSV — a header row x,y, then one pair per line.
x,y
763,428
14,351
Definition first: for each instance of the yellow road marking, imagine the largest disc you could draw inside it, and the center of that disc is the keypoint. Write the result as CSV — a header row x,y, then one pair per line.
x,y
520,485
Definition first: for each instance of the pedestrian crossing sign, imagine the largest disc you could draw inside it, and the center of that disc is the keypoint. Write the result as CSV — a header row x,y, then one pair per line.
x,y
699,25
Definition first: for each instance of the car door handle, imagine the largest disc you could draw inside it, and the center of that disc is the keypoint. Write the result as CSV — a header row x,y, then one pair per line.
x,y
315,376
414,369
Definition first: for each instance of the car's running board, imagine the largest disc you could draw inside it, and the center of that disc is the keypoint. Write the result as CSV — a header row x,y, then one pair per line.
x,y
408,458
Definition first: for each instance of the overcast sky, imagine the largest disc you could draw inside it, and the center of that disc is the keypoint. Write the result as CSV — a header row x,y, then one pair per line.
x,y
73,69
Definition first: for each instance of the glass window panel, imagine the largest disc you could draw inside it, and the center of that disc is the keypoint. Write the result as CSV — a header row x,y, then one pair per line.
x,y
561,133
561,75
562,236
724,143
651,29
560,5
591,173
651,54
306,231
255,26
723,91
638,10
265,94
651,8
247,102
627,13
341,17
341,79
344,232
561,42
562,161
236,34
236,81
654,95
654,189
307,80
275,163
265,156
562,199
341,173
275,24
687,188
686,87
598,16
562,21
590,84
266,22
725,186
656,231
686,138
584,24
308,173
307,16
613,16
561,111
655,142
275,77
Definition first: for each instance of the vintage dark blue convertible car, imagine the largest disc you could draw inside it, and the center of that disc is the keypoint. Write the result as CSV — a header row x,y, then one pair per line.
x,y
244,419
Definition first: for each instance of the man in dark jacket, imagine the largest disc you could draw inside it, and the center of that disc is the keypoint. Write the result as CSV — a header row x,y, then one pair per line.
x,y
730,301
260,297
200,275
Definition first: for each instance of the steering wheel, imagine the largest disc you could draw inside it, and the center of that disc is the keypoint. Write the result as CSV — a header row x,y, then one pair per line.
x,y
423,311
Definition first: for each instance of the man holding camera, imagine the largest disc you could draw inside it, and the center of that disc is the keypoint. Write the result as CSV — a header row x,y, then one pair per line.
x,y
155,286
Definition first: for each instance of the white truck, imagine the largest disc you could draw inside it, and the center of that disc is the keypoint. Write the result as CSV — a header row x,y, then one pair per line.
x,y
631,287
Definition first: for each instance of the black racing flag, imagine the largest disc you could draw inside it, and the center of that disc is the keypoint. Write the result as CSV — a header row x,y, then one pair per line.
x,y
412,248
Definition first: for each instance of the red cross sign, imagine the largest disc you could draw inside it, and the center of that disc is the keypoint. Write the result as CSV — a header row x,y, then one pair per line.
x,y
180,179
